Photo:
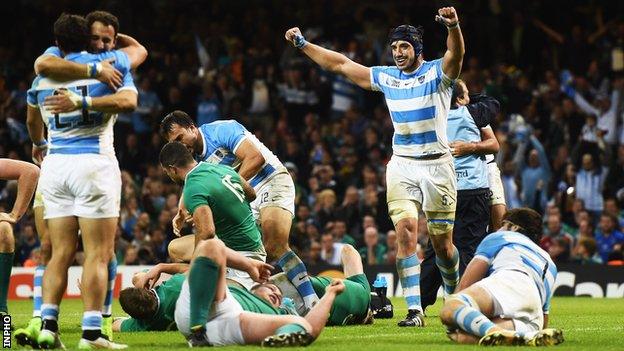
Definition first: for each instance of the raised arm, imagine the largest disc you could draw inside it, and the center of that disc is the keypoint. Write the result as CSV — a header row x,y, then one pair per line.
x,y
329,60
454,55
27,176
549,31
543,158
136,52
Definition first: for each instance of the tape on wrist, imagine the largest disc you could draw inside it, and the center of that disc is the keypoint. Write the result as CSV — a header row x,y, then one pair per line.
x,y
453,26
40,143
300,42
94,69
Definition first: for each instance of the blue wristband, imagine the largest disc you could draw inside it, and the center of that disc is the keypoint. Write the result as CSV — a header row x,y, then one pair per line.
x,y
41,143
300,42
93,70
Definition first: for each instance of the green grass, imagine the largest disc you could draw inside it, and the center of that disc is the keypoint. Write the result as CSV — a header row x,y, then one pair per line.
x,y
587,323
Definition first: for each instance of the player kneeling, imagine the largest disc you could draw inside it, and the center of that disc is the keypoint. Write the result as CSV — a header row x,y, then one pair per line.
x,y
504,295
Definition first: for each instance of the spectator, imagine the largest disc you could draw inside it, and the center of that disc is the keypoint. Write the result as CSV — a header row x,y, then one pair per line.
x,y
131,256
589,185
536,176
554,231
314,254
373,253
392,247
28,241
330,250
559,250
339,230
585,252
208,106
608,236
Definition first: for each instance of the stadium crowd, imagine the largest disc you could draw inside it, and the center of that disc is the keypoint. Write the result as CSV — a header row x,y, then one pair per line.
x,y
561,126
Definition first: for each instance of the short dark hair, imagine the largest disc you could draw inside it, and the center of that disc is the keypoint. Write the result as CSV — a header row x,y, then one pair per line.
x,y
175,154
106,18
71,33
457,91
529,221
178,117
138,303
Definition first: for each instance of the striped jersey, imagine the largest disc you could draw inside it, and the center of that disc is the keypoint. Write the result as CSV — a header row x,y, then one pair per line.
x,y
222,139
418,103
81,131
505,250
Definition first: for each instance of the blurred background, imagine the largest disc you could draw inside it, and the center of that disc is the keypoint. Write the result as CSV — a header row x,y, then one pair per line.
x,y
557,67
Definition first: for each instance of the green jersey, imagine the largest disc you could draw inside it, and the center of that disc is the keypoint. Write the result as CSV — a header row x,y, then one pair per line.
x,y
220,187
167,293
350,307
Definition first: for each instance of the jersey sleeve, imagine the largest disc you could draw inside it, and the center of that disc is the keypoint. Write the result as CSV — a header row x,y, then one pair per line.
x,y
374,78
489,247
446,80
194,196
229,134
53,51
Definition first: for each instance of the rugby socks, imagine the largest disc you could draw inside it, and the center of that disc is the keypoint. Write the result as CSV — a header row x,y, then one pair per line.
x,y
472,321
107,309
449,269
37,292
6,265
409,274
202,276
91,325
297,273
49,315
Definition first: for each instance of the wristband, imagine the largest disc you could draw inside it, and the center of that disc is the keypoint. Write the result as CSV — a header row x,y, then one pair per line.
x,y
93,69
41,143
300,42
453,26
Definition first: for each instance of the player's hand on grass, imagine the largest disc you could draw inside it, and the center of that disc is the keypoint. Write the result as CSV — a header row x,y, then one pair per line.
x,y
447,16
63,101
292,33
8,217
109,75
335,287
461,148
259,271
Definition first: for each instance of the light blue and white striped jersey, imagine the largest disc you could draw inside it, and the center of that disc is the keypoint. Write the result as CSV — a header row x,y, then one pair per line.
x,y
471,169
80,131
505,250
418,103
222,139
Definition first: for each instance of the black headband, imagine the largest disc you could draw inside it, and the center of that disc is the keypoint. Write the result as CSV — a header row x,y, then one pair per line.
x,y
410,34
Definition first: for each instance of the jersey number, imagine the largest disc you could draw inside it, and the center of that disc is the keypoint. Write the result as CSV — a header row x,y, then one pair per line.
x,y
85,114
235,188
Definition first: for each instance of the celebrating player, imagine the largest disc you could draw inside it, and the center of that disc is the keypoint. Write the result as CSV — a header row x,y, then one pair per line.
x,y
80,179
228,142
504,295
420,174
104,28
27,175
468,120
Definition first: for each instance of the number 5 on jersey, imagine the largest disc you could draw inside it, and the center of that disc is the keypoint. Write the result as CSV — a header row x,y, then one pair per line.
x,y
235,188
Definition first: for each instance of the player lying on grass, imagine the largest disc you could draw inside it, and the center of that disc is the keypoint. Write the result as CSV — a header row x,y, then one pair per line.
x,y
351,307
504,295
207,312
153,309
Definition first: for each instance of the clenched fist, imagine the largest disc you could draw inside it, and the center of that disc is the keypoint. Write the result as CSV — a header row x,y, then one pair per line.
x,y
447,16
294,36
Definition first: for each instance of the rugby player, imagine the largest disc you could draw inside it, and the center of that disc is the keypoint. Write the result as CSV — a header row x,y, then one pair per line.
x,y
228,142
80,179
420,174
504,295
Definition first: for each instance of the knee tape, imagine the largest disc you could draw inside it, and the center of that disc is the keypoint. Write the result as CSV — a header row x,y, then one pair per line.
x,y
400,209
439,223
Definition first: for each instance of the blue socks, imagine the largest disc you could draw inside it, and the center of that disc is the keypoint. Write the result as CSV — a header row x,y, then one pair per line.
x,y
409,274
298,275
449,269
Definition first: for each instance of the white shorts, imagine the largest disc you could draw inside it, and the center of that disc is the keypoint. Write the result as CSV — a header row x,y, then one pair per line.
x,y
431,183
243,277
86,185
223,326
515,297
496,185
278,191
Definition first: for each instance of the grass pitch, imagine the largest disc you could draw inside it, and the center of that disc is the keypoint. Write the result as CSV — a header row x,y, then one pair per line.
x,y
596,324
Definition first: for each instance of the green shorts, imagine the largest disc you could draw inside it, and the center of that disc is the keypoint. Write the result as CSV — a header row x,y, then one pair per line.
x,y
350,307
